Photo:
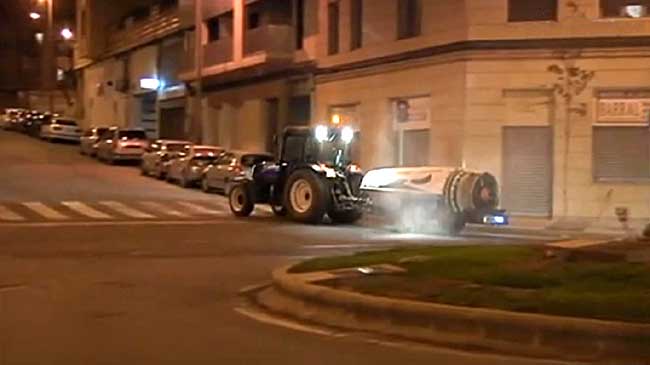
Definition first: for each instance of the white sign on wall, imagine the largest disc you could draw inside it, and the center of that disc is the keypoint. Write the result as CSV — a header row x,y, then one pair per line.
x,y
623,111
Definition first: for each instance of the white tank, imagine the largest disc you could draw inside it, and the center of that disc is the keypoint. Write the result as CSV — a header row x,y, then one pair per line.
x,y
461,190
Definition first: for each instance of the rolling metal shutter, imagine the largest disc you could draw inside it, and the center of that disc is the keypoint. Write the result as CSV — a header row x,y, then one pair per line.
x,y
528,170
621,153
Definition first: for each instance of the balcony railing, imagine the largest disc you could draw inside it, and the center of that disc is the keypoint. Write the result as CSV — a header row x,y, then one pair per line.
x,y
154,27
274,39
214,53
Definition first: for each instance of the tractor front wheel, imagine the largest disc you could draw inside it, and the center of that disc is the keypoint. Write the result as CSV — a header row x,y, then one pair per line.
x,y
305,197
240,200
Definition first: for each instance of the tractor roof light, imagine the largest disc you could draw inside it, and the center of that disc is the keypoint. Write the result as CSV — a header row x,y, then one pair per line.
x,y
347,134
321,133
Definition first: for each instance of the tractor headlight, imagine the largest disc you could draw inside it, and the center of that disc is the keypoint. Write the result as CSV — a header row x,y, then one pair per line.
x,y
322,133
347,134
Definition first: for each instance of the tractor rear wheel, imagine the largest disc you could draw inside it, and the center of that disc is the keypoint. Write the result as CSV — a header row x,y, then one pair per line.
x,y
306,197
240,200
345,216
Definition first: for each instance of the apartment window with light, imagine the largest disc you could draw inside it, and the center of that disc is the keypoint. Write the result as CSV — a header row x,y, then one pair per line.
x,y
333,28
530,11
409,18
356,24
625,8
214,33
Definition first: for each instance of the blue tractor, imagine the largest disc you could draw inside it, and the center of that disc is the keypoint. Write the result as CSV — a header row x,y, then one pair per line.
x,y
312,178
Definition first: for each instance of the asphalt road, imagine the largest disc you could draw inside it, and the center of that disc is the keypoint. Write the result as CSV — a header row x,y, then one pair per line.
x,y
85,281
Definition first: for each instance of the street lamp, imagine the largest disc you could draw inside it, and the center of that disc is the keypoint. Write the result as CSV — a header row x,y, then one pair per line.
x,y
66,33
34,15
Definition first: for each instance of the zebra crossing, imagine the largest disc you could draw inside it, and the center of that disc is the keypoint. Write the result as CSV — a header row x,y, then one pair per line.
x,y
112,210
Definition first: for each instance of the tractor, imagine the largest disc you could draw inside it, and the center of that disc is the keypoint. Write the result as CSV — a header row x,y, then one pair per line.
x,y
313,177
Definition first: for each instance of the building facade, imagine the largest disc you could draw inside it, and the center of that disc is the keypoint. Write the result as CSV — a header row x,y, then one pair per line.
x,y
476,83
480,84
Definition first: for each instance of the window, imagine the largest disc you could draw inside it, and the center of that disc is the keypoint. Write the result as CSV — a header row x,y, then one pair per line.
x,y
84,23
333,28
621,153
624,8
409,18
412,126
356,24
526,10
214,32
253,20
300,23
294,148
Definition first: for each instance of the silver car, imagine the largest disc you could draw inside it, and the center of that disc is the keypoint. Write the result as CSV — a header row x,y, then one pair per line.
x,y
60,128
187,168
121,144
158,153
231,164
89,140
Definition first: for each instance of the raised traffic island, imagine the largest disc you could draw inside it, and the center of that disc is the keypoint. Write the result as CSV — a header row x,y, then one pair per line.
x,y
587,303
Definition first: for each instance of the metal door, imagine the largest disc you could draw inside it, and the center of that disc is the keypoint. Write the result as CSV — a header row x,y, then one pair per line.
x,y
528,170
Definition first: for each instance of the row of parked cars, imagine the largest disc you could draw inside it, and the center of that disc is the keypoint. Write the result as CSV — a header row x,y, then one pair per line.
x,y
210,167
43,125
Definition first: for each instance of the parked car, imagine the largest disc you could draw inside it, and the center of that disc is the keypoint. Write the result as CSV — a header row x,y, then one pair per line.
x,y
187,168
33,125
121,144
158,153
10,117
60,128
89,140
228,166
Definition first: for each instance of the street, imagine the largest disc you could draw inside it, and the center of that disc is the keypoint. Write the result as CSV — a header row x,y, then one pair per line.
x,y
99,265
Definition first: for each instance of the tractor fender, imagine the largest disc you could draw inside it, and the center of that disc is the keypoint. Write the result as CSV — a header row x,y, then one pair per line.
x,y
329,172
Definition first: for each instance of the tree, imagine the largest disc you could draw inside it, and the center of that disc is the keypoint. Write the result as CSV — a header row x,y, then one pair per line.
x,y
570,82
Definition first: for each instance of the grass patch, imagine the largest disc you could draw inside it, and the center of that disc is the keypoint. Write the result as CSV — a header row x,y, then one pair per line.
x,y
516,278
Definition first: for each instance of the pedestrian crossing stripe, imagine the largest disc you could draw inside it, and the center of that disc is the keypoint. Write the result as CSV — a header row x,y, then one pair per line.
x,y
45,211
8,215
158,207
109,210
86,210
126,210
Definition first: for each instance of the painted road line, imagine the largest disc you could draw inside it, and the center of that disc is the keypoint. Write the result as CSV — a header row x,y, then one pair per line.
x,y
86,210
163,209
8,215
98,223
198,209
45,211
127,211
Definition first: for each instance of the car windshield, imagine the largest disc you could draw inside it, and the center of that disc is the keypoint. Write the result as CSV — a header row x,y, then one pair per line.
x,y
66,122
132,135
250,160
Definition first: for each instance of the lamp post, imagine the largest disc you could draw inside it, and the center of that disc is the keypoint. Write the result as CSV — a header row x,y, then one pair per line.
x,y
196,129
48,75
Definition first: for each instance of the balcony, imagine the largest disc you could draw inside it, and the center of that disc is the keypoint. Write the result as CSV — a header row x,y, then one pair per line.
x,y
276,40
155,27
265,49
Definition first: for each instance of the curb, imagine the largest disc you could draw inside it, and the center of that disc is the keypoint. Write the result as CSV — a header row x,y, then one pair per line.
x,y
512,333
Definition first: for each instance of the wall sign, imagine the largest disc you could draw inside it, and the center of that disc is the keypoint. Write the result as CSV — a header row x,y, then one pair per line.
x,y
623,111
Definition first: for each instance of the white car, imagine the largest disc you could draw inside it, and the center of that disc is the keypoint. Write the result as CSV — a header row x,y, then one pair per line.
x,y
89,139
121,144
61,128
187,168
159,153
